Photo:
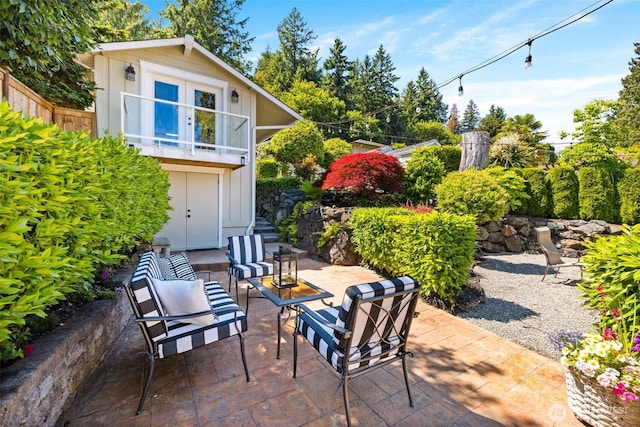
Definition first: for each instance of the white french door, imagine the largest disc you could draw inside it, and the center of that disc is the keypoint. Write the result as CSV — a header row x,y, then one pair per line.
x,y
194,221
175,119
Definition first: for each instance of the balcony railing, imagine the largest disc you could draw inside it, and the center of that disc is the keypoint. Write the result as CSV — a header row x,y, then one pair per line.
x,y
181,131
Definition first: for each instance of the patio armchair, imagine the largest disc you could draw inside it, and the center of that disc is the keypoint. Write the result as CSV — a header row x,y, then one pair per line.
x,y
179,315
552,254
368,331
247,259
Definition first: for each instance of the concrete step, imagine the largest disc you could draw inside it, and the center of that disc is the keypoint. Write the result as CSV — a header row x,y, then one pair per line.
x,y
270,237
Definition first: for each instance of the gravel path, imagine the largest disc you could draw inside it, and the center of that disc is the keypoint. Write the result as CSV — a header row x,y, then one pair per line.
x,y
522,308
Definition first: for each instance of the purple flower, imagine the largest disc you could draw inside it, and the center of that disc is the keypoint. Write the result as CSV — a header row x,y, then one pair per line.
x,y
104,275
636,343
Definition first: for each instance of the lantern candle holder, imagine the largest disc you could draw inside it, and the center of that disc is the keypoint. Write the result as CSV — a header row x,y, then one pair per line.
x,y
285,268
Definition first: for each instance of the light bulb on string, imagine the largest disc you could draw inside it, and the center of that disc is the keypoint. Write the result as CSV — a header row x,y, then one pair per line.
x,y
460,88
388,119
527,60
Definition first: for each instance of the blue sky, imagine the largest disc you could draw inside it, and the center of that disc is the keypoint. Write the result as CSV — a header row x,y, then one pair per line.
x,y
571,66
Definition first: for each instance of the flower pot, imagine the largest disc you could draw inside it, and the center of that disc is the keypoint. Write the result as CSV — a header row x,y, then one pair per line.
x,y
597,405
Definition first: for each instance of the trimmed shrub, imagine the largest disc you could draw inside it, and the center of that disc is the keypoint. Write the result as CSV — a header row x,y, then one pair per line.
x,y
475,193
267,168
70,206
513,184
629,190
449,155
540,201
424,171
436,248
365,175
284,183
564,186
597,195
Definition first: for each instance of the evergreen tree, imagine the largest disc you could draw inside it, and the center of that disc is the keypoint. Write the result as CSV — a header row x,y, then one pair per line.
x,y
39,40
335,80
213,24
429,99
493,121
123,20
385,92
630,98
470,117
453,125
295,38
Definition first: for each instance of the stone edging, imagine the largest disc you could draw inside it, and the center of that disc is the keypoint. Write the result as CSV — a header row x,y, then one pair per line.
x,y
39,388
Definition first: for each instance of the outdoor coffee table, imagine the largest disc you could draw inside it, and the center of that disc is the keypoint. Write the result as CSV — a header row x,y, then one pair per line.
x,y
288,297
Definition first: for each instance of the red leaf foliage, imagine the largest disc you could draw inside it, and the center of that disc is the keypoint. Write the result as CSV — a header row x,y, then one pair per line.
x,y
367,174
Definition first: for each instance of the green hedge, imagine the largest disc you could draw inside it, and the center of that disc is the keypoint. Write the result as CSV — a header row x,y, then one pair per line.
x,y
629,190
564,186
436,248
69,205
267,168
540,202
475,193
449,155
597,195
284,183
513,183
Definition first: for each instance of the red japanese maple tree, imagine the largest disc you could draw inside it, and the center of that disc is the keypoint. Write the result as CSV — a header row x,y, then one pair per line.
x,y
365,174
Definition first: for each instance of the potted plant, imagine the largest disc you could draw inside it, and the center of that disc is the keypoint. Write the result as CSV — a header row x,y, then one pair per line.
x,y
603,365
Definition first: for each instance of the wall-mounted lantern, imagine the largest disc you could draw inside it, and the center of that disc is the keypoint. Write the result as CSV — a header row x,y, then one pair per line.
x,y
235,96
130,73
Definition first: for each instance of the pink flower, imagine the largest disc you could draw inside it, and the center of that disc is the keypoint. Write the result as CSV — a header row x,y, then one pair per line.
x,y
609,334
619,389
28,349
616,312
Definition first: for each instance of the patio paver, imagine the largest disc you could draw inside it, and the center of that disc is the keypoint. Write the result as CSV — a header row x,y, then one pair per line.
x,y
461,375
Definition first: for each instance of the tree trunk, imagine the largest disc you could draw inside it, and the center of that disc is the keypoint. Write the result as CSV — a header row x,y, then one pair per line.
x,y
475,150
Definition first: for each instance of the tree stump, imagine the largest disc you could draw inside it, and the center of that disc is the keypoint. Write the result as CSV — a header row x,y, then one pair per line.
x,y
475,150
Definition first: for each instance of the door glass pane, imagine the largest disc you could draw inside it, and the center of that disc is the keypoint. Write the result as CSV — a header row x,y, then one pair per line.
x,y
205,123
166,115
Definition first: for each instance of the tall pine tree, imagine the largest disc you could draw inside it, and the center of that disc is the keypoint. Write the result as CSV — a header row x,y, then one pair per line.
x,y
213,24
470,117
629,114
493,121
336,67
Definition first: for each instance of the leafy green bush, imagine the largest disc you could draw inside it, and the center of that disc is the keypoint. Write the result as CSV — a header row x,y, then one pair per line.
x,y
267,168
284,183
288,227
629,190
513,183
334,149
436,248
449,155
509,152
540,202
590,154
69,205
424,171
564,186
473,192
597,195
612,282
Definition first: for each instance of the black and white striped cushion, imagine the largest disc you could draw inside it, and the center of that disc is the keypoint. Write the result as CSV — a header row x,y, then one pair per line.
x,y
368,341
146,300
179,267
254,269
184,337
246,249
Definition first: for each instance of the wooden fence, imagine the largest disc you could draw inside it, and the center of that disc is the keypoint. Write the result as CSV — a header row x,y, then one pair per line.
x,y
22,98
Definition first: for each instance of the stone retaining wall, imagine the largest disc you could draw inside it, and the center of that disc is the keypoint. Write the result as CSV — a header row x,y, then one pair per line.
x,y
510,234
36,390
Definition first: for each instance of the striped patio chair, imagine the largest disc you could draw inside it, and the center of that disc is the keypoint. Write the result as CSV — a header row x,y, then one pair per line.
x,y
369,330
247,259
168,335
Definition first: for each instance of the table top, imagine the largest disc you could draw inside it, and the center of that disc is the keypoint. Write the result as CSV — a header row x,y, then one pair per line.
x,y
281,297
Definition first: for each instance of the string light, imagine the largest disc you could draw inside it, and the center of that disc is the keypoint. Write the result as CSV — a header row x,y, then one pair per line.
x,y
496,58
527,61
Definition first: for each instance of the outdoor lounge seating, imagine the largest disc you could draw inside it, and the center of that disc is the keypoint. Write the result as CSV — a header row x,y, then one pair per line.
x,y
551,253
369,330
180,314
247,259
